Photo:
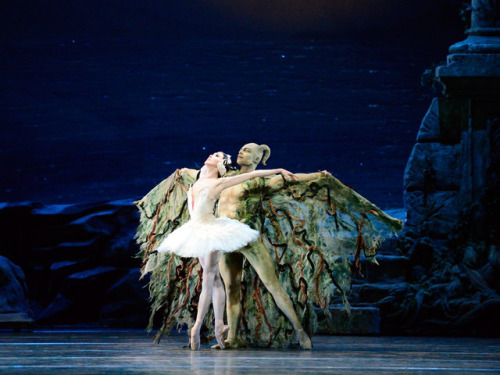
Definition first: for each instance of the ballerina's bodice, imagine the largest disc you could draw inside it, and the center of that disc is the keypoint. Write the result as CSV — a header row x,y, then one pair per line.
x,y
201,206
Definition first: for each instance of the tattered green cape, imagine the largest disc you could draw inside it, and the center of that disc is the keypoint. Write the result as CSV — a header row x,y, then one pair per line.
x,y
310,229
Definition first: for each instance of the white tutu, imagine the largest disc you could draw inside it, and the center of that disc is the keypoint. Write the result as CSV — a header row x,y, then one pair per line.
x,y
195,239
204,233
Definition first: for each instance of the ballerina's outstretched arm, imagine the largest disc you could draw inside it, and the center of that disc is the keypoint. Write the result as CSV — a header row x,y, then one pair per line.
x,y
226,182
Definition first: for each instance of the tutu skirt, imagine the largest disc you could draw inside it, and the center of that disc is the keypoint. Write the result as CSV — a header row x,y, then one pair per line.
x,y
198,238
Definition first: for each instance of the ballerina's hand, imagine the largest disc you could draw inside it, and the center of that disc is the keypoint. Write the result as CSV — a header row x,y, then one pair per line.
x,y
289,176
324,173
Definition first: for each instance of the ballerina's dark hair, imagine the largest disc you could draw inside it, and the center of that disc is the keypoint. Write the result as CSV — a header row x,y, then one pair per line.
x,y
228,163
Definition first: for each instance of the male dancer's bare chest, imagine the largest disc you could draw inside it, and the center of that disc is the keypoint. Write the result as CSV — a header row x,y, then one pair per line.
x,y
229,201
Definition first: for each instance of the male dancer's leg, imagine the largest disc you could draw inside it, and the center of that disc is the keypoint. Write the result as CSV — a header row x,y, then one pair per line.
x,y
260,259
231,266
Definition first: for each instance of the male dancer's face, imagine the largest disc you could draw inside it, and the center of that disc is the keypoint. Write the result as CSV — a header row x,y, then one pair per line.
x,y
248,155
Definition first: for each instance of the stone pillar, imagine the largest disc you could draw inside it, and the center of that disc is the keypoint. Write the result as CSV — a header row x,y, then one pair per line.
x,y
471,80
456,146
473,66
452,185
484,18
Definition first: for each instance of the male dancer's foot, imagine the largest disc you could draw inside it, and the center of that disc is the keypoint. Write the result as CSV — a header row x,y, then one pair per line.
x,y
304,340
236,343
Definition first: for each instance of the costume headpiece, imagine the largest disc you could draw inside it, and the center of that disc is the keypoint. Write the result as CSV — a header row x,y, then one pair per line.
x,y
266,152
222,165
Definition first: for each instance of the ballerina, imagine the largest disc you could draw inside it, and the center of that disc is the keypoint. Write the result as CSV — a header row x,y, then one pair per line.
x,y
205,236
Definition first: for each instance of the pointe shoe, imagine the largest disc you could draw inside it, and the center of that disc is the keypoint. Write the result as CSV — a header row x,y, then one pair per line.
x,y
220,332
194,340
304,340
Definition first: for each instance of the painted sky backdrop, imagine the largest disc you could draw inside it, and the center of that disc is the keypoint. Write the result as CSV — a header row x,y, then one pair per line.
x,y
102,100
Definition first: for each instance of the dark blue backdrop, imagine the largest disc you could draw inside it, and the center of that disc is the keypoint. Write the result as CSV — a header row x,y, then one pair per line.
x,y
102,100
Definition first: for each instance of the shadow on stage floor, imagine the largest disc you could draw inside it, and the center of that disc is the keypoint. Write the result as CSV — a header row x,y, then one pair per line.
x,y
133,352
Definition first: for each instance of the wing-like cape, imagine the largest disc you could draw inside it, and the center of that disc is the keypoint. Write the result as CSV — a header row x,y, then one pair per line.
x,y
311,229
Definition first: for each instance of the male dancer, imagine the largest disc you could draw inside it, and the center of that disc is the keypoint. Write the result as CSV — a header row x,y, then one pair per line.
x,y
257,254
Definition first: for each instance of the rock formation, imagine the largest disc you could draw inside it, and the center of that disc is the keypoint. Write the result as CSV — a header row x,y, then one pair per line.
x,y
79,262
15,311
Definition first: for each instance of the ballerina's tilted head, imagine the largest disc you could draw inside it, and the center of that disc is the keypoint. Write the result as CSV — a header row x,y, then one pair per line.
x,y
220,161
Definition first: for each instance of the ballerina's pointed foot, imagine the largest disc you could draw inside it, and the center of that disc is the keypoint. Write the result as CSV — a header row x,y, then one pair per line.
x,y
220,331
304,340
194,340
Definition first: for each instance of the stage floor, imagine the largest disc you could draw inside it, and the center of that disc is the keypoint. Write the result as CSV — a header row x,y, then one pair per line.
x,y
133,352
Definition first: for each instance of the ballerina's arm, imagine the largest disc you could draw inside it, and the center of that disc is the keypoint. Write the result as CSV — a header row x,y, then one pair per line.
x,y
276,182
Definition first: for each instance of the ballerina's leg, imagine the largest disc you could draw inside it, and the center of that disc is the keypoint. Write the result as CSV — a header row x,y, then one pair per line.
x,y
210,266
219,301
